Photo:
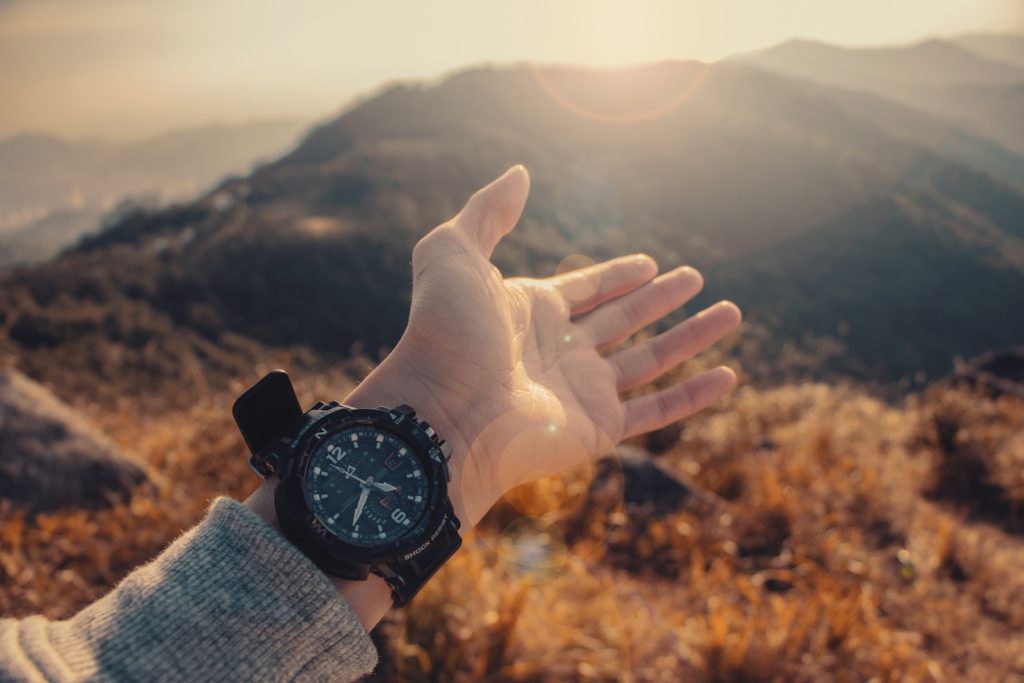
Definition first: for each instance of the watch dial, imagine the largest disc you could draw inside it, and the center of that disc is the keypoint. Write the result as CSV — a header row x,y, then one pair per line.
x,y
366,486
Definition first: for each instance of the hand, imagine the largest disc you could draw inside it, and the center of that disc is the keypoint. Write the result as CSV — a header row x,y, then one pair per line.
x,y
512,371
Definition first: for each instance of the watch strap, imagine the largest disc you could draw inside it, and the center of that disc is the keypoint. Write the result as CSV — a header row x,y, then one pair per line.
x,y
264,413
407,576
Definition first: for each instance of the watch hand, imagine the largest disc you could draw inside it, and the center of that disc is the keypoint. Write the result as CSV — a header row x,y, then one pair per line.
x,y
359,505
383,486
348,475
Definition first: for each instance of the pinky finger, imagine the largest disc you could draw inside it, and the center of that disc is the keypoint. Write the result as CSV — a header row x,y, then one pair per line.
x,y
654,411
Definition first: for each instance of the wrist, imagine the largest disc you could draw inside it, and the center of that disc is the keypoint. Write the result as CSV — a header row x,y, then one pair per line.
x,y
396,381
390,384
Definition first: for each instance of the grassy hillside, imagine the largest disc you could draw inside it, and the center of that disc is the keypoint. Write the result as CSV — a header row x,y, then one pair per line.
x,y
830,542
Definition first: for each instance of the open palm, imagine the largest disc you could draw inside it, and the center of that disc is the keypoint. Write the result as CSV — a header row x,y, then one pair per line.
x,y
516,364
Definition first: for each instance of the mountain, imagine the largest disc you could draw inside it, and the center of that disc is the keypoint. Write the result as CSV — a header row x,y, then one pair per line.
x,y
943,78
821,224
1008,49
47,182
46,236
932,63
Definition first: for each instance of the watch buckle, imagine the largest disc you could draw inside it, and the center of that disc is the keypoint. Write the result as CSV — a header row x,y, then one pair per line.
x,y
259,466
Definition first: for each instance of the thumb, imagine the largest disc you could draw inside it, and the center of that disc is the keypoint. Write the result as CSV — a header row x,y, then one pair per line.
x,y
493,211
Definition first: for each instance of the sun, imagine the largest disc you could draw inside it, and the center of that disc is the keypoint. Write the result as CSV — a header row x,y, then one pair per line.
x,y
616,33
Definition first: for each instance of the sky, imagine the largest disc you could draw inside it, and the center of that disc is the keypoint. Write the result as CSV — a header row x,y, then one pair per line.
x,y
125,69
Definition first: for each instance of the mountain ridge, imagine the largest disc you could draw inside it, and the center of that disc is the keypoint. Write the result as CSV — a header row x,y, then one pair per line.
x,y
942,78
46,180
733,179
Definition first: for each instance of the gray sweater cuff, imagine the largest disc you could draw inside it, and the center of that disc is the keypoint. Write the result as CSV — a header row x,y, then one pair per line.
x,y
230,600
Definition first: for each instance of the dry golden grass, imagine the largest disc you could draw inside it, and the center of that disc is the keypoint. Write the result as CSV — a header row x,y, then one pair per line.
x,y
835,547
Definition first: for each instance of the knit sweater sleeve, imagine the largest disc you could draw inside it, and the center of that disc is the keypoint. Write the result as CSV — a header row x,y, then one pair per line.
x,y
229,600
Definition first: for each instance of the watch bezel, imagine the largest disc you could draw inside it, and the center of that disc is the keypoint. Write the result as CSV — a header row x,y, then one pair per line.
x,y
300,521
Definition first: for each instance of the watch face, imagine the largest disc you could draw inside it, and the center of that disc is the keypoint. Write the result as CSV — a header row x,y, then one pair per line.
x,y
366,486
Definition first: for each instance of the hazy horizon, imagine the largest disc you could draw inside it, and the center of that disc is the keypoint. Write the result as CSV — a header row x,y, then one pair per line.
x,y
119,70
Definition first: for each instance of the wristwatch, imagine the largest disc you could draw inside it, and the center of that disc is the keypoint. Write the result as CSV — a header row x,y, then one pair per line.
x,y
361,490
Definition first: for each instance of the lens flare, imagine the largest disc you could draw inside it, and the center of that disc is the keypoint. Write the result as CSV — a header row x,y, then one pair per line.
x,y
622,97
576,287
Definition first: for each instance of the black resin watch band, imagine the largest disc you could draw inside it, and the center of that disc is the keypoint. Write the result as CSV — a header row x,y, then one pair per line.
x,y
263,413
408,576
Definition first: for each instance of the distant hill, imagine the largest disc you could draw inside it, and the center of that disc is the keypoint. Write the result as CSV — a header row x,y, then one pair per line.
x,y
1008,49
52,190
46,236
932,63
819,221
950,80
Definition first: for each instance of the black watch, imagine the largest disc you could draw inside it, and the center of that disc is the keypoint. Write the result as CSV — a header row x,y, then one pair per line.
x,y
361,490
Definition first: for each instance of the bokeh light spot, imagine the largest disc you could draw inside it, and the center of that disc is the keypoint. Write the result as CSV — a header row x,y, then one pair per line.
x,y
532,545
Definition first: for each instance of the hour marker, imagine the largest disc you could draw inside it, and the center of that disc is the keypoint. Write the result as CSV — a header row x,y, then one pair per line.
x,y
355,437
407,522
403,451
316,471
380,437
418,499
382,535
355,534
380,528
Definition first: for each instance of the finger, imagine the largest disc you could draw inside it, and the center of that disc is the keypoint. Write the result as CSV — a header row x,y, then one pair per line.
x,y
589,287
493,211
621,318
656,356
654,411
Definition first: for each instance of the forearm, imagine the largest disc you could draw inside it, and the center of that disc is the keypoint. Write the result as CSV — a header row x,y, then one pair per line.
x,y
231,599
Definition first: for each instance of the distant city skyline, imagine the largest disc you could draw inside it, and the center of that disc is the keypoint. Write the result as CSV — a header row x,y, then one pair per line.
x,y
123,69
